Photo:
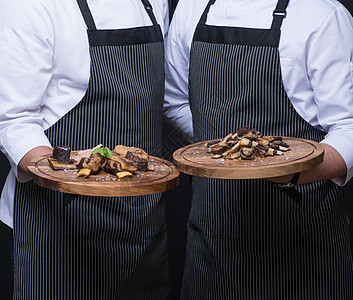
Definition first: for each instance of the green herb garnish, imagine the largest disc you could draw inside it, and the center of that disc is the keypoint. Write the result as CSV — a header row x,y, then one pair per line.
x,y
104,151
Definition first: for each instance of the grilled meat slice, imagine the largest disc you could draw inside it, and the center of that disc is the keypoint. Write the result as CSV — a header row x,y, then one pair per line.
x,y
136,160
118,164
93,162
62,154
125,164
123,150
112,166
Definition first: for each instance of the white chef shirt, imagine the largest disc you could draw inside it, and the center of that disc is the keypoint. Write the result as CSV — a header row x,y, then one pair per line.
x,y
316,56
45,68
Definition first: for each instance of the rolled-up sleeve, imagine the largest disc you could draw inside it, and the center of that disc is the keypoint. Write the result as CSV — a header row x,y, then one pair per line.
x,y
26,55
331,75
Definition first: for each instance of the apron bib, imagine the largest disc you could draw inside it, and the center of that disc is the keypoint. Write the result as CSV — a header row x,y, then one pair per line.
x,y
248,239
80,247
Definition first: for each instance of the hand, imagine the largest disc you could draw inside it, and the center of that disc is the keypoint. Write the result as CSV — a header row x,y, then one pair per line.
x,y
23,173
281,179
333,166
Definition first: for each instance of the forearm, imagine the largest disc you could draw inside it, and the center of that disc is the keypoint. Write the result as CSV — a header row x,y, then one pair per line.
x,y
333,166
23,173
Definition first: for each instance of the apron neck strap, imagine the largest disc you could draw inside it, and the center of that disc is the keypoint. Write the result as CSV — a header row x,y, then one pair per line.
x,y
149,9
205,13
87,15
279,14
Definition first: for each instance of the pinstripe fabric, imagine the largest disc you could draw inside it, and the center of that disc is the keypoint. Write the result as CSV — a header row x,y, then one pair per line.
x,y
247,239
79,247
136,114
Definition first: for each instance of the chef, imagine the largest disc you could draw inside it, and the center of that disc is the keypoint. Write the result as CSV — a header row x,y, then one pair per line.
x,y
80,73
284,69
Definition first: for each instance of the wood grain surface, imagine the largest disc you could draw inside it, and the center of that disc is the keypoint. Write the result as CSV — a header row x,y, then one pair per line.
x,y
163,178
194,160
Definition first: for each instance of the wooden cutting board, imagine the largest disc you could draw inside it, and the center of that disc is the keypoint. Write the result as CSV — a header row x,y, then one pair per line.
x,y
194,160
163,178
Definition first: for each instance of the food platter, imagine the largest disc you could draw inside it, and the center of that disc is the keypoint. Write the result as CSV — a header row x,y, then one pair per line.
x,y
194,160
164,177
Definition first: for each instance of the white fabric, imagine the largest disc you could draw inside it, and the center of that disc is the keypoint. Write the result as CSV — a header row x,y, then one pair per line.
x,y
44,67
316,55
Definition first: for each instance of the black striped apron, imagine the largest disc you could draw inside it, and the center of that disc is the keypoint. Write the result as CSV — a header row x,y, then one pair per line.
x,y
79,247
248,239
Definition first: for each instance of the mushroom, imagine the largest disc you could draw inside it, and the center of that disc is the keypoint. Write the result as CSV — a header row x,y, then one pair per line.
x,y
235,148
261,150
218,149
211,143
263,141
233,155
242,131
93,162
247,153
244,142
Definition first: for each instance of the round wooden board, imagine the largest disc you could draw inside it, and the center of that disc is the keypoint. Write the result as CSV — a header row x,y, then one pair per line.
x,y
164,177
194,160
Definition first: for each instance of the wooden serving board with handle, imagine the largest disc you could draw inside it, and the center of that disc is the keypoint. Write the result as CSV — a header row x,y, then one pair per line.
x,y
164,177
194,160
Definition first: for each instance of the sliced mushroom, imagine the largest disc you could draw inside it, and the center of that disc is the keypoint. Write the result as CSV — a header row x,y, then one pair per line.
x,y
233,141
261,150
242,131
227,137
235,148
280,143
272,138
233,155
263,141
211,143
247,153
271,151
219,149
244,142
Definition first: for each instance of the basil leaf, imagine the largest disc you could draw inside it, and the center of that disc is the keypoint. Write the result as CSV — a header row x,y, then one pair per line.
x,y
104,151
108,153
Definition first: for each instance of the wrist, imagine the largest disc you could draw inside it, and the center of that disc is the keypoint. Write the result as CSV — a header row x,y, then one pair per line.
x,y
32,154
292,182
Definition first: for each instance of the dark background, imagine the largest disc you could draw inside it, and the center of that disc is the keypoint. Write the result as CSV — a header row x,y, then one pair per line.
x,y
178,205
